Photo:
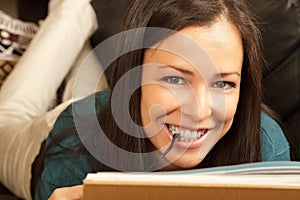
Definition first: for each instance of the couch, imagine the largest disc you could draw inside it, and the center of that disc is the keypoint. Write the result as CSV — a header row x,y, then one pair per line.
x,y
279,22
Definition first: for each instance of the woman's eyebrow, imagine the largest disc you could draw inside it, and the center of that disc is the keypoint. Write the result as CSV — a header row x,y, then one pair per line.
x,y
188,72
184,71
223,74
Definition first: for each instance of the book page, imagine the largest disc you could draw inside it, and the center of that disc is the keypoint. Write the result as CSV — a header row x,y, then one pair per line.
x,y
263,174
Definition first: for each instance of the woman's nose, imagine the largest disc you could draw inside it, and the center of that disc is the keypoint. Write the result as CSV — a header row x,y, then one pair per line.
x,y
197,103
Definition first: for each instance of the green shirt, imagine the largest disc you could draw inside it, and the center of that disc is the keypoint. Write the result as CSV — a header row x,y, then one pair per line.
x,y
61,169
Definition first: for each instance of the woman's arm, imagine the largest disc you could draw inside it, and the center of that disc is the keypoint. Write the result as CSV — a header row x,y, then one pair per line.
x,y
67,193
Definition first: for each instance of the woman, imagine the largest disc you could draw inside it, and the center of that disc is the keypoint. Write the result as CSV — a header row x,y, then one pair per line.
x,y
191,84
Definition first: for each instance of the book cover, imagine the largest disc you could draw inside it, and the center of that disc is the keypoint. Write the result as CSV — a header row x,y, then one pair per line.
x,y
265,180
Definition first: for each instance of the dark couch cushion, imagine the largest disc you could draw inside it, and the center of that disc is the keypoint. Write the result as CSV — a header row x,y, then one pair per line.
x,y
110,14
280,26
32,10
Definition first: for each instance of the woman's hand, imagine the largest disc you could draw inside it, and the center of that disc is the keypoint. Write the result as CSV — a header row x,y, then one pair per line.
x,y
67,193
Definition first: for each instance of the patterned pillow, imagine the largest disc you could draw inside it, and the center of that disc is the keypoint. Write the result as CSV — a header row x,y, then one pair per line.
x,y
15,36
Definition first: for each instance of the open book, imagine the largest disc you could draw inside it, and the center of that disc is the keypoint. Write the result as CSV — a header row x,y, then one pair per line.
x,y
265,180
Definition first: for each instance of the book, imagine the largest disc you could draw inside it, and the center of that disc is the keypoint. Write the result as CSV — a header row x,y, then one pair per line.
x,y
265,180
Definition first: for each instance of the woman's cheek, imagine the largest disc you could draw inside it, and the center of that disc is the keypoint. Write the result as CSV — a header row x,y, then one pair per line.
x,y
230,110
156,103
159,95
231,105
224,106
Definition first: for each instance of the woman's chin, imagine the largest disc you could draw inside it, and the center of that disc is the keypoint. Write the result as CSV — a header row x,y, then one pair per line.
x,y
186,165
186,162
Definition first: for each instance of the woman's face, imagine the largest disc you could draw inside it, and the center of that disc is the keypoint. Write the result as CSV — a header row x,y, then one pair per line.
x,y
192,92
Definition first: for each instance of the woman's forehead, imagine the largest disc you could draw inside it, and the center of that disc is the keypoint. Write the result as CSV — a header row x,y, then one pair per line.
x,y
218,46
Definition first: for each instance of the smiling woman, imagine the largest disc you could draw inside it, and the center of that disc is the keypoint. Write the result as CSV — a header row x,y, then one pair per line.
x,y
189,70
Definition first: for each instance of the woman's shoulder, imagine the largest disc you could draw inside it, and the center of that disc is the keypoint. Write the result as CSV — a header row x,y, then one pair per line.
x,y
62,165
77,113
94,102
274,143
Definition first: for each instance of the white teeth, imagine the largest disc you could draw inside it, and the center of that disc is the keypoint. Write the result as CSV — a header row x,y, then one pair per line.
x,y
194,134
181,133
186,135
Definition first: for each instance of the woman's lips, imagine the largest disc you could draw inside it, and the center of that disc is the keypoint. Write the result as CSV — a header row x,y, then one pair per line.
x,y
184,142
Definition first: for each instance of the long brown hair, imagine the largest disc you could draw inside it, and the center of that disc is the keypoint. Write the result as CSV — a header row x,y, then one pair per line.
x,y
242,143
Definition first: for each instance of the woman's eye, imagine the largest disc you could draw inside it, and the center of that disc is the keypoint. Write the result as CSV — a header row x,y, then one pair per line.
x,y
174,80
223,85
